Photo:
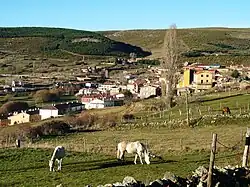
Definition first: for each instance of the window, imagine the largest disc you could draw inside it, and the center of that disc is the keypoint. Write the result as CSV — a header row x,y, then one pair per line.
x,y
207,80
201,75
201,81
207,75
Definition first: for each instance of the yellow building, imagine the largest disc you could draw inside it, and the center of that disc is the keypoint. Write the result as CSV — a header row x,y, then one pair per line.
x,y
203,80
187,79
24,117
17,118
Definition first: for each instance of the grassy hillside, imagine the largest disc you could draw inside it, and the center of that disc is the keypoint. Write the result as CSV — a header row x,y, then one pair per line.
x,y
231,44
39,40
29,167
94,153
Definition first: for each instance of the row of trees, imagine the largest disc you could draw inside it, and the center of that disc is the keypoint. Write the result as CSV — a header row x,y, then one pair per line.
x,y
42,96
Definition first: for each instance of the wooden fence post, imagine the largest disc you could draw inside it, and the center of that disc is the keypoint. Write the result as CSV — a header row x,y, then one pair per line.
x,y
212,158
84,145
187,109
246,150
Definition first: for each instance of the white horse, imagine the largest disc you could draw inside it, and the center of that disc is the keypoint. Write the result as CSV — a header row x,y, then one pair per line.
x,y
136,148
58,154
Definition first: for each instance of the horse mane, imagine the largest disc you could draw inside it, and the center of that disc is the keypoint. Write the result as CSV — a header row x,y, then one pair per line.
x,y
144,147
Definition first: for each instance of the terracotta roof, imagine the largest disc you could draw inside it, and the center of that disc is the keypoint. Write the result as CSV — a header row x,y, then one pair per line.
x,y
49,108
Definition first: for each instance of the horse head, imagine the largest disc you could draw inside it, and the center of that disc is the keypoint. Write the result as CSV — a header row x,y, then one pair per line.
x,y
147,157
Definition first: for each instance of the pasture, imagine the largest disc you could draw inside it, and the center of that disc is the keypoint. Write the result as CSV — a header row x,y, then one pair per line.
x,y
91,155
29,167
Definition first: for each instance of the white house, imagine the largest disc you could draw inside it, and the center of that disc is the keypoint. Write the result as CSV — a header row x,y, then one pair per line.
x,y
48,112
60,109
147,91
99,103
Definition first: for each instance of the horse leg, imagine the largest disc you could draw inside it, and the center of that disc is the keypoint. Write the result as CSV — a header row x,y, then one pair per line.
x,y
121,157
140,155
135,158
60,164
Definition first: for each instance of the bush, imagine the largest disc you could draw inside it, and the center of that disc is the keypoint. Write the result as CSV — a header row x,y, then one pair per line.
x,y
26,131
12,106
109,121
235,74
11,133
55,127
128,118
83,121
46,96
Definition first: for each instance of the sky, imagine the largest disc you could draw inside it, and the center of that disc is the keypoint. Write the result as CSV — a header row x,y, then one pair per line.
x,y
99,15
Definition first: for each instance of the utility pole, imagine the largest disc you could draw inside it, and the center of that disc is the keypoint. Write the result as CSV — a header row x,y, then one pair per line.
x,y
187,107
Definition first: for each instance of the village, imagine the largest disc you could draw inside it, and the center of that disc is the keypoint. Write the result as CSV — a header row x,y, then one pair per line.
x,y
90,93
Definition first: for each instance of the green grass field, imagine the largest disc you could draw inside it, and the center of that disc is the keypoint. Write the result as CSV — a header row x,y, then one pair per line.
x,y
91,156
29,167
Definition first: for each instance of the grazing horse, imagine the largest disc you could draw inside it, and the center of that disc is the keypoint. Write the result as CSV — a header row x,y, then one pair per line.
x,y
58,154
136,148
226,110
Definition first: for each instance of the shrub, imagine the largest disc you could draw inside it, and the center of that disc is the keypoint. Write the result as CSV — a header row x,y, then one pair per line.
x,y
235,74
46,96
55,127
108,121
11,133
128,118
83,121
12,106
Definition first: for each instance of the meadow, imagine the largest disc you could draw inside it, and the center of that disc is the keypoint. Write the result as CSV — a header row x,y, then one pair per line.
x,y
29,167
91,154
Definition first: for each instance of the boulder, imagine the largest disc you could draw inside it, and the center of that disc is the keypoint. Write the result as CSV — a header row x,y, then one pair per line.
x,y
129,181
160,183
118,184
170,176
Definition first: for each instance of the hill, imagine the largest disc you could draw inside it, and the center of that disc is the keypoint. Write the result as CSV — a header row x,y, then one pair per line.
x,y
50,42
206,45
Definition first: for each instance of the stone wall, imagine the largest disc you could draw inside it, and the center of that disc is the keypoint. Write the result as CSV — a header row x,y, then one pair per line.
x,y
228,176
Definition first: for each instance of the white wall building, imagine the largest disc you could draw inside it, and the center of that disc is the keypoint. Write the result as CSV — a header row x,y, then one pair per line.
x,y
99,103
48,112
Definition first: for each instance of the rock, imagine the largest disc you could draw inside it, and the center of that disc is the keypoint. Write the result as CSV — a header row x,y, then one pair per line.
x,y
59,185
170,176
129,180
108,185
201,171
159,183
201,184
118,184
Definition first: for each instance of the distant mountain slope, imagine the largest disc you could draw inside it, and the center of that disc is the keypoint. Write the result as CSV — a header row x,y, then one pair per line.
x,y
206,45
41,40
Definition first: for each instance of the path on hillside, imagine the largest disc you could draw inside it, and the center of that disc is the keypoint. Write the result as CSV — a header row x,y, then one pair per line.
x,y
72,53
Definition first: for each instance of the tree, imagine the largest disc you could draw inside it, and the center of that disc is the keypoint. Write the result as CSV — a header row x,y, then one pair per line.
x,y
172,49
12,106
128,96
235,74
46,96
